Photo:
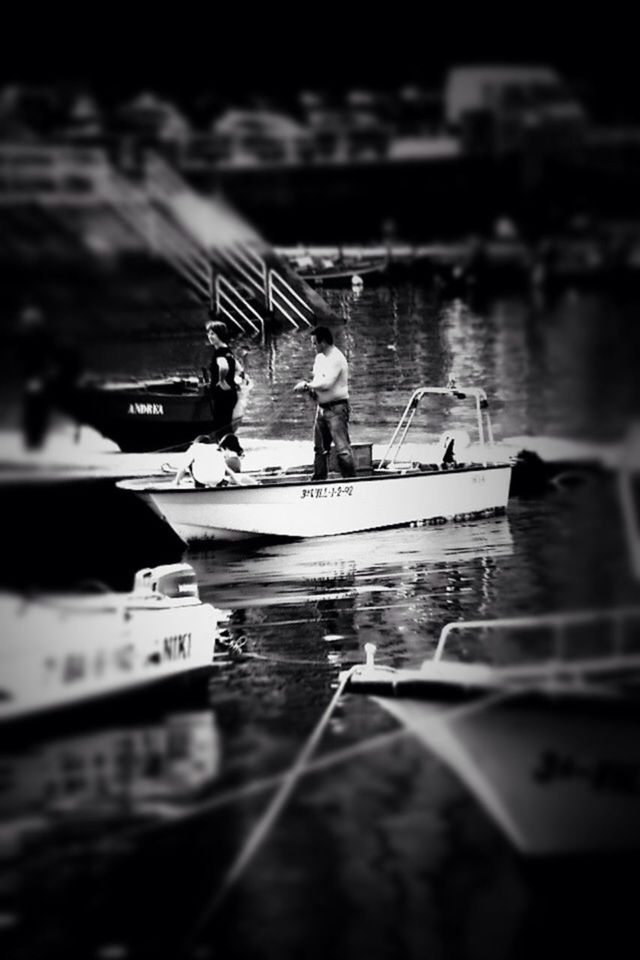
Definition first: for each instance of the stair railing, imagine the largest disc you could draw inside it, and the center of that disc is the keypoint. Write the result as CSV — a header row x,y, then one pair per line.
x,y
228,298
282,297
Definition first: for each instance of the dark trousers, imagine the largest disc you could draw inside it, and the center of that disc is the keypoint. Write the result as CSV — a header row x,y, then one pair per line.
x,y
223,402
332,424
36,411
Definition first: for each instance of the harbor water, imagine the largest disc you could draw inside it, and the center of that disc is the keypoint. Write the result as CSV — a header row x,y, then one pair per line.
x,y
129,830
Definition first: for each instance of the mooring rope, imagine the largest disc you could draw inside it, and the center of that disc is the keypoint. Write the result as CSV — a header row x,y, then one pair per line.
x,y
236,795
268,819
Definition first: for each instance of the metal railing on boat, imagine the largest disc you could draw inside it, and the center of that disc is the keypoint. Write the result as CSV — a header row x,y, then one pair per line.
x,y
459,393
619,652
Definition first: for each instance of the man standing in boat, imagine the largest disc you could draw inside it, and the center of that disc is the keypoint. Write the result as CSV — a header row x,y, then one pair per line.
x,y
222,386
329,385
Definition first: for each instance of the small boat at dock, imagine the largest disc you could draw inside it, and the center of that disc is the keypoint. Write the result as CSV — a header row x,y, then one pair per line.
x,y
388,492
339,271
538,716
59,650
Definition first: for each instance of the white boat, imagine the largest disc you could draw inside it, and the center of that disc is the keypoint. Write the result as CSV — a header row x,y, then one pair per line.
x,y
549,741
389,492
58,650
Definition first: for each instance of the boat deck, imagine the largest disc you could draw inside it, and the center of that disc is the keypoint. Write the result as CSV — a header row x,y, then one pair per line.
x,y
89,457
293,476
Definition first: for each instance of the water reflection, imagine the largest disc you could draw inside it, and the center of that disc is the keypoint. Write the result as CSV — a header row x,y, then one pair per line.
x,y
355,565
122,773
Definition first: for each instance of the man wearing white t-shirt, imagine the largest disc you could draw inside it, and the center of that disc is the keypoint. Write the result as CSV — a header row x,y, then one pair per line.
x,y
329,385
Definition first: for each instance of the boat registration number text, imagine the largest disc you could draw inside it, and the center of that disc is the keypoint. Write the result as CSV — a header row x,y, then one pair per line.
x,y
601,774
324,493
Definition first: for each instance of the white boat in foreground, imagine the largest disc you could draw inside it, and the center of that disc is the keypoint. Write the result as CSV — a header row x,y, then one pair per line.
x,y
59,650
386,493
549,745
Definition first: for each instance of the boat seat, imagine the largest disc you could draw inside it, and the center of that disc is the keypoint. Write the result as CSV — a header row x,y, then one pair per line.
x,y
241,480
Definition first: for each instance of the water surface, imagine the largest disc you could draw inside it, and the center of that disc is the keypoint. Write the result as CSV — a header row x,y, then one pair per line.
x,y
118,831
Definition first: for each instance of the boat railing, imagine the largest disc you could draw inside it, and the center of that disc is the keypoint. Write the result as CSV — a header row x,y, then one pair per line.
x,y
167,385
485,430
282,297
565,636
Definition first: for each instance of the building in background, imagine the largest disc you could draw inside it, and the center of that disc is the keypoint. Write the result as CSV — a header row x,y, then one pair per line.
x,y
501,109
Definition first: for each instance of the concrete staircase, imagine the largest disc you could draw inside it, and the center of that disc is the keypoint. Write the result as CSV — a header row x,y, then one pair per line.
x,y
78,194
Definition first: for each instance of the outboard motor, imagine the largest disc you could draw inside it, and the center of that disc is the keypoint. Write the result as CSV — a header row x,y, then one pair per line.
x,y
449,458
176,581
453,442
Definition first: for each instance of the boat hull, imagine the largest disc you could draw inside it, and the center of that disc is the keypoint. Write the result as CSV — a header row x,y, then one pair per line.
x,y
557,776
56,654
343,276
143,419
299,508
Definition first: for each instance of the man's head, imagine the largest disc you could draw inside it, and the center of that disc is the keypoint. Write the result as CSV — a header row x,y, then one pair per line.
x,y
231,442
321,337
230,446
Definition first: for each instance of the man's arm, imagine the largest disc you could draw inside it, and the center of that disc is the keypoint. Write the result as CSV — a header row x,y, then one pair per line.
x,y
185,469
305,386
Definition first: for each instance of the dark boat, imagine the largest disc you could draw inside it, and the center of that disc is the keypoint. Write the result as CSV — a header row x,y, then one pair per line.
x,y
338,271
143,415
